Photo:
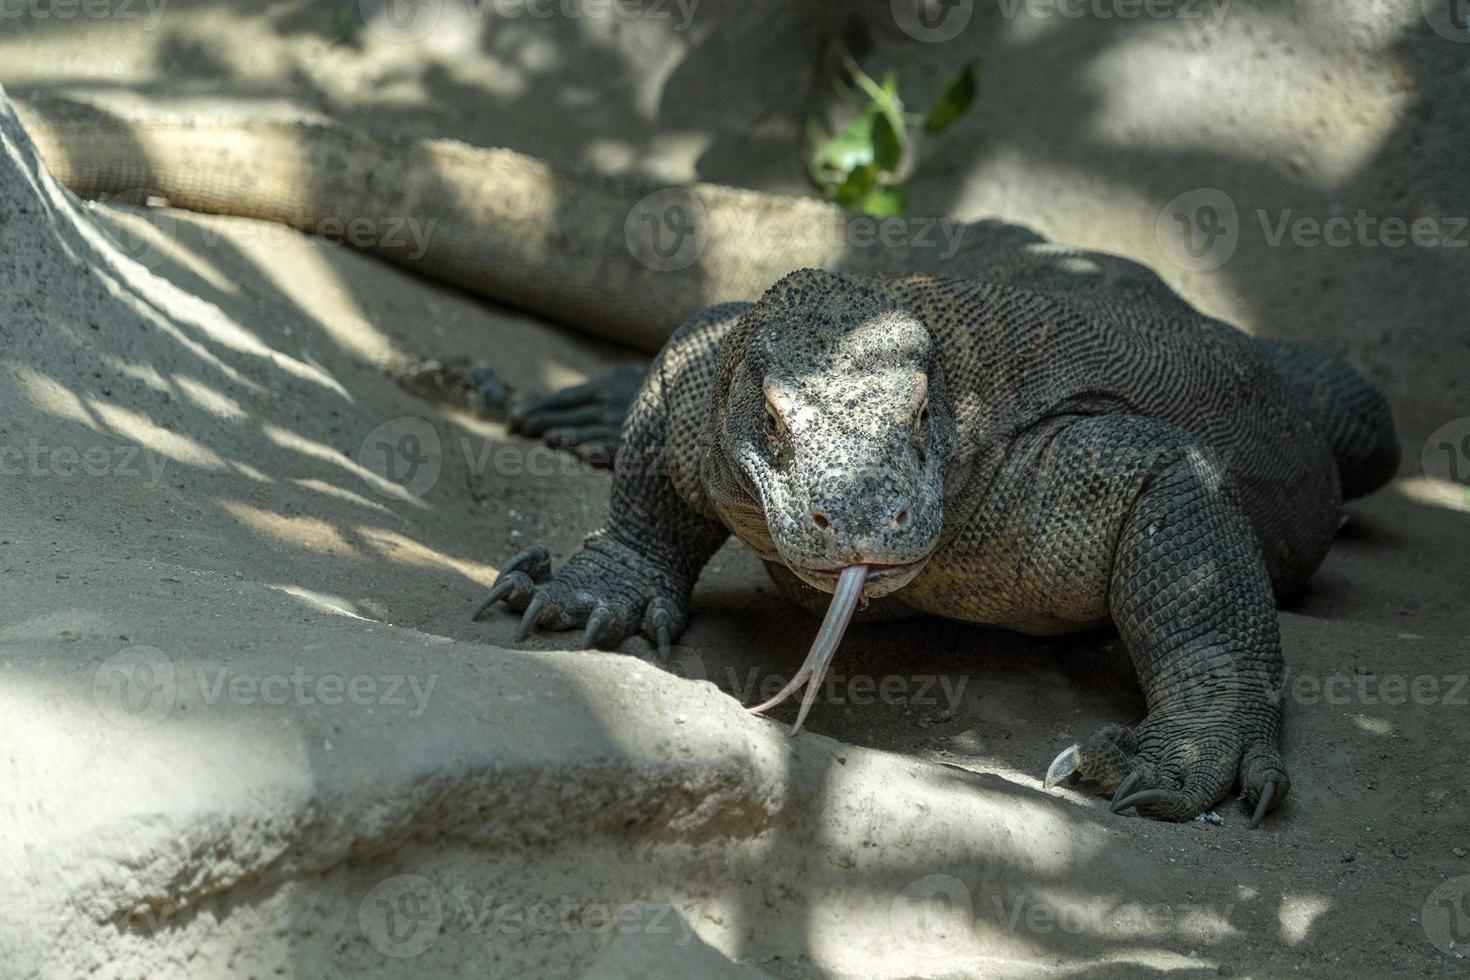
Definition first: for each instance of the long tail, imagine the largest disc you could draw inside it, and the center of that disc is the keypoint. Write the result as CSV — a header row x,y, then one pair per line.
x,y
616,257
1346,408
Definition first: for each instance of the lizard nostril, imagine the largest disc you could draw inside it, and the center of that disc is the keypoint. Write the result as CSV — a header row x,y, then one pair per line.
x,y
820,520
901,518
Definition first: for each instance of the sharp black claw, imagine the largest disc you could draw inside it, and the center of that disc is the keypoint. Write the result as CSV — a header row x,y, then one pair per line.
x,y
595,622
533,562
490,600
1264,804
1127,787
502,588
1143,798
533,612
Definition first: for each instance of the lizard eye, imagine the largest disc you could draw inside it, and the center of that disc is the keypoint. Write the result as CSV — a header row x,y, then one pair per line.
x,y
773,426
921,431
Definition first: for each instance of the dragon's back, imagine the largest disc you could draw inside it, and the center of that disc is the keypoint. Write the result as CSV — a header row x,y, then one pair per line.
x,y
1017,356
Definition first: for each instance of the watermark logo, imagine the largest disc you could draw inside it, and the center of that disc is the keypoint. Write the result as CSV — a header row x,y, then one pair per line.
x,y
1446,916
146,244
1450,19
932,21
136,687
1446,459
685,662
400,21
1199,230
401,916
929,915
667,230
405,452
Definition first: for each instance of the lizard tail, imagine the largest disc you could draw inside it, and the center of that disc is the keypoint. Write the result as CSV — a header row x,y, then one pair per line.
x,y
1346,408
617,257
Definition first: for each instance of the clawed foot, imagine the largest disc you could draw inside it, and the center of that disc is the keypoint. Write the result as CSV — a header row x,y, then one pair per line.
x,y
606,590
1174,769
586,419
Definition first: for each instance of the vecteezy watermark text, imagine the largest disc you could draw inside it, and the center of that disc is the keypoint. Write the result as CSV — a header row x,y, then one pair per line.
x,y
408,235
35,458
1202,228
403,916
933,913
151,11
139,686
668,230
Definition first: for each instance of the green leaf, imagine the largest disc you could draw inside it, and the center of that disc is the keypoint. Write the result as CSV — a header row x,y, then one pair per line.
x,y
885,202
956,100
856,188
347,20
851,147
887,143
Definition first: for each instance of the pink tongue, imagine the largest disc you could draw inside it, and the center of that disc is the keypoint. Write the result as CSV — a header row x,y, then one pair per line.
x,y
845,600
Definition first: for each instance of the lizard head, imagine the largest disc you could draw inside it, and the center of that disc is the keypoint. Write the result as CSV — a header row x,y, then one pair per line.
x,y
836,425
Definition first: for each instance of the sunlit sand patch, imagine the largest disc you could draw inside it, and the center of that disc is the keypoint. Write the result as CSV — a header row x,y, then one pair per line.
x,y
212,401
142,430
320,600
1297,915
299,531
287,439
143,373
407,551
1374,726
332,490
1142,104
46,394
250,472
1435,492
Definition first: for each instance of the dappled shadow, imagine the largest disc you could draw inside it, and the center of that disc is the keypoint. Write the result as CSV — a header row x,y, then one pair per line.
x,y
275,422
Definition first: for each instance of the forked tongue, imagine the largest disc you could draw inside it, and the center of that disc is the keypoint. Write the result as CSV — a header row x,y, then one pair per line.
x,y
845,599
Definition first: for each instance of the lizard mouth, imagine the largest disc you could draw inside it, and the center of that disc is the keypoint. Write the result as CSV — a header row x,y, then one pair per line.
x,y
882,578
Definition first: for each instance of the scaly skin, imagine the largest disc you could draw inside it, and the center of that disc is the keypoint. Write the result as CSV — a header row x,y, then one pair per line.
x,y
1046,440
1044,459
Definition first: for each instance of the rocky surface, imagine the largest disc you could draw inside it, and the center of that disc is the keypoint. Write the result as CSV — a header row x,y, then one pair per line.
x,y
251,730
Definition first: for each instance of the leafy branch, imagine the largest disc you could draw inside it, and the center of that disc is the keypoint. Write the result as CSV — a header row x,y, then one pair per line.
x,y
858,165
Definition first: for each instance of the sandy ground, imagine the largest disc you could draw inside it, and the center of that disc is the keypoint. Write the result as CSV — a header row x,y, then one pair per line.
x,y
244,500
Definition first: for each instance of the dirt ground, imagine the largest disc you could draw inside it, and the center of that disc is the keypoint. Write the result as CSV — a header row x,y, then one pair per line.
x,y
256,465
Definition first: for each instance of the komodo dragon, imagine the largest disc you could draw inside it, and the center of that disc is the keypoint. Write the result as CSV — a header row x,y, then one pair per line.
x,y
1020,434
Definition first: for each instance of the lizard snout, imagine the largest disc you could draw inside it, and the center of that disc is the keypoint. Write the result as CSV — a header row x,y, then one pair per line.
x,y
902,513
